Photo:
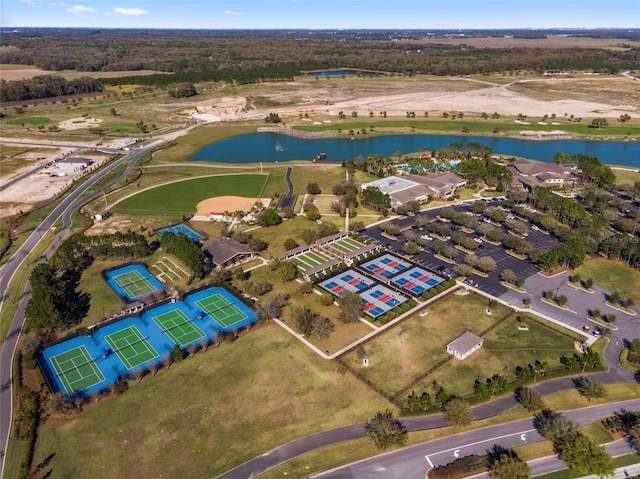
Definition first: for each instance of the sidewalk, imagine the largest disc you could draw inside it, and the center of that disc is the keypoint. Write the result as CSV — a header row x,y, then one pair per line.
x,y
621,473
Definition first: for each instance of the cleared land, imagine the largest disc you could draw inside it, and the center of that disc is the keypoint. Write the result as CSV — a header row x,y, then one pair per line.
x,y
225,412
404,352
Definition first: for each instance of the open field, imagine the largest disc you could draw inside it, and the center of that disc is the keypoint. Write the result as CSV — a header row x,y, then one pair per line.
x,y
612,276
154,429
183,196
505,348
402,353
626,175
11,72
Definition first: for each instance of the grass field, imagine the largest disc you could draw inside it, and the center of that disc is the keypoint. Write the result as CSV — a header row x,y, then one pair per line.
x,y
211,422
612,276
183,196
626,175
505,348
403,353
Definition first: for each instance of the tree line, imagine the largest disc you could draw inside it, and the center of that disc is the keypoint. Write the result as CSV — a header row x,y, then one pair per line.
x,y
218,51
46,86
183,248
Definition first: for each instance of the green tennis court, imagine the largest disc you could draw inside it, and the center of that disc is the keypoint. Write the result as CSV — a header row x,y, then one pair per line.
x,y
221,310
178,327
134,284
76,369
131,347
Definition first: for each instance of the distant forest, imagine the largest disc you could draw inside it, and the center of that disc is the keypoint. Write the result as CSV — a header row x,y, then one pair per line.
x,y
244,56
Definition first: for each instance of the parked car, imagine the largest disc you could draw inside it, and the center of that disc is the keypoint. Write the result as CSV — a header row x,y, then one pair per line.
x,y
535,228
586,329
477,240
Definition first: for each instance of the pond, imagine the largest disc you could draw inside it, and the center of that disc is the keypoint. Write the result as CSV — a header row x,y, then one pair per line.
x,y
334,73
275,147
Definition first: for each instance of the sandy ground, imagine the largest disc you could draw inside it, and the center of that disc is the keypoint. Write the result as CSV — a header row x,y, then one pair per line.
x,y
495,98
78,123
225,203
39,187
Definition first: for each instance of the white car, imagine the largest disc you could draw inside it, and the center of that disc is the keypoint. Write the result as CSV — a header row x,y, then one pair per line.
x,y
477,240
486,220
535,228
525,234
427,237
468,213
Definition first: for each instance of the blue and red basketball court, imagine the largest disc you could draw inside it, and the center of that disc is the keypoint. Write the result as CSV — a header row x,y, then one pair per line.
x,y
386,265
416,280
380,299
348,280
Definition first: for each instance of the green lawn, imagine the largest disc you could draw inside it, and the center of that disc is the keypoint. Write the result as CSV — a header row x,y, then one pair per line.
x,y
183,196
210,413
626,175
403,353
504,348
612,276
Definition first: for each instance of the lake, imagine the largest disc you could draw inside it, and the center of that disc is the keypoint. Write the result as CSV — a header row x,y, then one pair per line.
x,y
274,147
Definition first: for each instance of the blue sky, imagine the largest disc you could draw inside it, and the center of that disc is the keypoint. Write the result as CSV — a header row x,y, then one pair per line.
x,y
321,14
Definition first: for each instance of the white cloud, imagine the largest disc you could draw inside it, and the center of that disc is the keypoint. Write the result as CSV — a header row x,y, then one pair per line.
x,y
81,9
230,12
129,11
28,2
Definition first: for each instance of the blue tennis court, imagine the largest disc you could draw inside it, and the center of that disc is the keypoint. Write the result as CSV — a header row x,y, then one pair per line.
x,y
386,265
181,228
348,280
416,280
92,362
132,282
380,299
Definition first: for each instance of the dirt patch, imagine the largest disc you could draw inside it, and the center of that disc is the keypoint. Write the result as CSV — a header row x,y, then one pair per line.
x,y
79,123
225,203
21,73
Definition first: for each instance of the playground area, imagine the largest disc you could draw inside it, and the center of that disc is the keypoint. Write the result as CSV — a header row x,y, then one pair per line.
x,y
379,299
87,363
184,229
132,282
348,280
416,280
386,265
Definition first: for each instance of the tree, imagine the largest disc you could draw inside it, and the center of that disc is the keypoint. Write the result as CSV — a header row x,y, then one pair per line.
x,y
313,214
555,427
290,243
562,300
508,276
530,399
287,271
376,199
599,123
30,343
182,90
272,118
58,403
269,217
457,412
385,431
313,188
585,456
590,388
47,307
505,464
350,307
113,112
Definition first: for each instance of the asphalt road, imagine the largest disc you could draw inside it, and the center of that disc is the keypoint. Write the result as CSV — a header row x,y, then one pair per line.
x,y
413,462
64,210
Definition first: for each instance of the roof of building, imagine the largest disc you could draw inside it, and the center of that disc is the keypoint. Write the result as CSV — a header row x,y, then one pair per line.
x,y
224,249
328,239
74,160
437,180
321,267
527,167
294,251
363,250
465,342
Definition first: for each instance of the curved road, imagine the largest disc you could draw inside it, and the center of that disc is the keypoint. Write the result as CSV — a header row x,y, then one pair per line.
x,y
64,210
413,462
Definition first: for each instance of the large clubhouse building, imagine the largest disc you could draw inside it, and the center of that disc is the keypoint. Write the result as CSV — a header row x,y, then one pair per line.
x,y
407,188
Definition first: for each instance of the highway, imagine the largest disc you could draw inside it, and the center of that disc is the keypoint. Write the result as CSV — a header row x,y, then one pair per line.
x,y
65,211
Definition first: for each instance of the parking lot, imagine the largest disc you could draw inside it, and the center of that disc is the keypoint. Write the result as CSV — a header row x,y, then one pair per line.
x,y
491,284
